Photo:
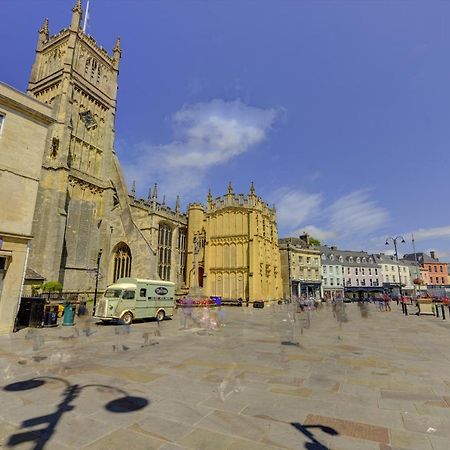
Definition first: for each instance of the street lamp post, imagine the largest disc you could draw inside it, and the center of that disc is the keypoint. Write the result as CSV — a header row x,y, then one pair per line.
x,y
99,257
394,241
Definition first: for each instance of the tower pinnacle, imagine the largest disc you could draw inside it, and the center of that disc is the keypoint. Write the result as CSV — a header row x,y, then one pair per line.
x,y
230,188
149,196
252,189
117,52
77,13
77,7
44,28
43,34
177,204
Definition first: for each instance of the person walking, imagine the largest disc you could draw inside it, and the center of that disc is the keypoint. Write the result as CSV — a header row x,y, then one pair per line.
x,y
387,301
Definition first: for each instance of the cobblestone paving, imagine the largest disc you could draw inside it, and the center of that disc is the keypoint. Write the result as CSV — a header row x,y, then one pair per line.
x,y
266,379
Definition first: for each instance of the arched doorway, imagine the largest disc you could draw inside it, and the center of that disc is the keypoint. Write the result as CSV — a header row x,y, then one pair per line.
x,y
121,261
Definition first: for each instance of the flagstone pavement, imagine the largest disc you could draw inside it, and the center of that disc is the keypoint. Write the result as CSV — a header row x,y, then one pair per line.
x,y
267,378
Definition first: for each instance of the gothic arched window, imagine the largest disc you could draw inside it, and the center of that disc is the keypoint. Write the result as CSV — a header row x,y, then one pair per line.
x,y
122,261
164,251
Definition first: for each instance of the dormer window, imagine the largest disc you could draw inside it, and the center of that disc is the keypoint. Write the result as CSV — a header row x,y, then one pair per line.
x,y
364,260
323,257
341,259
350,258
370,260
358,259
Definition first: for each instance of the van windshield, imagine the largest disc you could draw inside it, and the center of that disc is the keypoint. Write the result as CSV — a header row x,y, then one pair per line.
x,y
113,293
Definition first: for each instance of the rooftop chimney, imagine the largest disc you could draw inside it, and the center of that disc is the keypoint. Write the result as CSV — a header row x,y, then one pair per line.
x,y
433,254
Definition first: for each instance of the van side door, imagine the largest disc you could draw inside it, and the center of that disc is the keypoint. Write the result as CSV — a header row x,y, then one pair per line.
x,y
141,302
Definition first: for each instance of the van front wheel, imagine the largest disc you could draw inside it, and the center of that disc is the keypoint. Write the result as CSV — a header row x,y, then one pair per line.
x,y
160,315
127,318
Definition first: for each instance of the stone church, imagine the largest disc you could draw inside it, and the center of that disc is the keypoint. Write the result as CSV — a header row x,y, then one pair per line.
x,y
84,215
234,243
84,212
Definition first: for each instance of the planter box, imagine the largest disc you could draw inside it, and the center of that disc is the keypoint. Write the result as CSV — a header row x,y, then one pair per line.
x,y
426,307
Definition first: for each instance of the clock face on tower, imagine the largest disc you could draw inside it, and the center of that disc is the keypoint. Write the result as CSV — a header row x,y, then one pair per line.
x,y
88,119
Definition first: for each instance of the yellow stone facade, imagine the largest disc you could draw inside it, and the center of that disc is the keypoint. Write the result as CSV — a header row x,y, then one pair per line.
x,y
237,245
301,268
24,123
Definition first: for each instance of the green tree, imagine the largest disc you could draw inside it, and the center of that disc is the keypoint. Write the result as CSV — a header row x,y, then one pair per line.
x,y
52,286
314,241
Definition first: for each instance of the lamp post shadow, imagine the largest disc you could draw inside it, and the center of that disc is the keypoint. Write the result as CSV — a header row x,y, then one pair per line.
x,y
314,444
41,436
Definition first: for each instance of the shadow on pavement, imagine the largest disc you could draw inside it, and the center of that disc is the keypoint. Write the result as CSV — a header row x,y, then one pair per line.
x,y
314,444
41,436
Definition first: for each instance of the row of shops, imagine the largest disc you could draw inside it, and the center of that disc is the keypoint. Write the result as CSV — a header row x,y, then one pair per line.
x,y
315,290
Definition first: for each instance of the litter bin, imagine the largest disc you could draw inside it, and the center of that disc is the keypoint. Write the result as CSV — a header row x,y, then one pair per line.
x,y
51,315
69,315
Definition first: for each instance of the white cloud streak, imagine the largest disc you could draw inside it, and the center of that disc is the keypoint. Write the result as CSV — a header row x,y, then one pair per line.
x,y
294,207
353,215
205,135
356,213
431,233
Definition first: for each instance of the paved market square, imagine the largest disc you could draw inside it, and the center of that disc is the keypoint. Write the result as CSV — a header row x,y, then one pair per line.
x,y
269,378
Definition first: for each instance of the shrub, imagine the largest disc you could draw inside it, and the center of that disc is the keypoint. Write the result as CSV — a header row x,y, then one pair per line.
x,y
52,286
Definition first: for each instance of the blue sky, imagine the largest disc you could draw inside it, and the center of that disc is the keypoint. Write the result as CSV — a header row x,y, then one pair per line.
x,y
338,111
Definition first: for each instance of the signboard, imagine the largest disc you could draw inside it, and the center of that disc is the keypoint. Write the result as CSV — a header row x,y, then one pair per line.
x,y
161,290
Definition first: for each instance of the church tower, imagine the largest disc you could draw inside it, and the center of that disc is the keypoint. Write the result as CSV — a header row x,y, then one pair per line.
x,y
83,199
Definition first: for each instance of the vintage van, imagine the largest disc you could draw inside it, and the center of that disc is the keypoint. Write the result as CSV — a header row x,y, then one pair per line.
x,y
135,298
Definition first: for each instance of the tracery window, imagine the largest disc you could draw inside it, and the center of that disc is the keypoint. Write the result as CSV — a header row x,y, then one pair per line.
x,y
164,251
182,239
122,261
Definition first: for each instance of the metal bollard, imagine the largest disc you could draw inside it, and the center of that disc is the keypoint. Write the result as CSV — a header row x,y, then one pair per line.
x,y
443,312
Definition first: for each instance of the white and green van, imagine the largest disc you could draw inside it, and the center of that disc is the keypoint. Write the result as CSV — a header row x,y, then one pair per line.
x,y
134,298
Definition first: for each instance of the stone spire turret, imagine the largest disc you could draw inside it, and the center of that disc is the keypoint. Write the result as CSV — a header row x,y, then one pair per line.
x,y
77,14
230,188
252,189
133,188
43,34
149,196
209,198
164,200
177,205
44,28
117,52
155,192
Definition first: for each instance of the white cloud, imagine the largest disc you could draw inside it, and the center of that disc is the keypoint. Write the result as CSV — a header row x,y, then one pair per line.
x,y
349,219
356,213
205,135
294,207
316,232
432,233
